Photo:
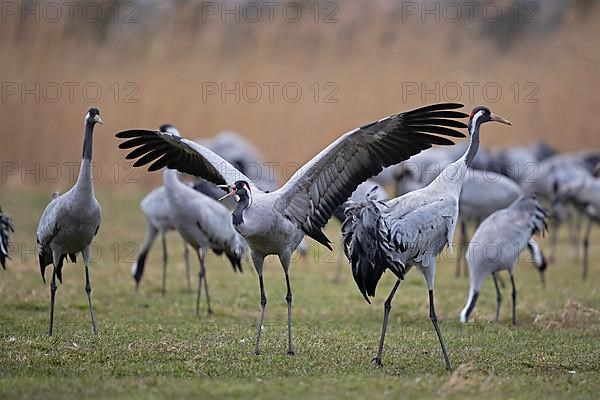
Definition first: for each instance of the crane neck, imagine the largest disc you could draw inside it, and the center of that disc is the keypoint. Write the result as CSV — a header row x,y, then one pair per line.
x,y
171,180
85,180
471,152
238,212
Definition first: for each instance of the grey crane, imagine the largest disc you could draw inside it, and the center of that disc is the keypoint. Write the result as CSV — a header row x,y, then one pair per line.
x,y
203,222
276,222
584,193
6,229
497,244
155,207
70,222
553,173
410,230
237,151
483,192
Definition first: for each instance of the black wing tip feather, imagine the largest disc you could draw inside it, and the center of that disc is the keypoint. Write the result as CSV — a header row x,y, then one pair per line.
x,y
133,133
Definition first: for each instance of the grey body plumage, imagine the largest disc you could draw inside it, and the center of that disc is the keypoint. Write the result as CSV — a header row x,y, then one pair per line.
x,y
70,222
497,244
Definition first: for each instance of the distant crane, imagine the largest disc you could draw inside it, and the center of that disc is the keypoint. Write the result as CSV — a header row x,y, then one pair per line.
x,y
70,222
483,192
155,207
584,194
410,230
276,222
202,222
6,229
497,244
553,173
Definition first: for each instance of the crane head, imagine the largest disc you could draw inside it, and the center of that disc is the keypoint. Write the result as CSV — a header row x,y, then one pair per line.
x,y
239,188
93,117
481,114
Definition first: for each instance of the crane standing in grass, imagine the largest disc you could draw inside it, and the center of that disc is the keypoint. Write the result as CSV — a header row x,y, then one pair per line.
x,y
583,192
202,222
497,244
70,222
276,222
410,230
483,192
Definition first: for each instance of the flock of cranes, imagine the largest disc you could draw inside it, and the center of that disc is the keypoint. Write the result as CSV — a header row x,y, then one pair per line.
x,y
227,212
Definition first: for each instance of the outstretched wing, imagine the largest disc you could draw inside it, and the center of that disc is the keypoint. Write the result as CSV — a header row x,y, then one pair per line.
x,y
164,149
325,182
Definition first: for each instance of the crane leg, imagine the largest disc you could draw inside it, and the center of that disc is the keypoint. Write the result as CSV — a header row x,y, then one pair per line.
x,y
140,263
387,306
586,242
52,299
199,291
203,266
165,258
202,277
258,261
88,290
514,299
88,286
186,259
288,299
462,245
434,320
498,296
285,263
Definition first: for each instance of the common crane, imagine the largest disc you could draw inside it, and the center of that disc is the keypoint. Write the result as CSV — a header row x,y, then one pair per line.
x,y
483,192
410,230
497,244
70,222
202,222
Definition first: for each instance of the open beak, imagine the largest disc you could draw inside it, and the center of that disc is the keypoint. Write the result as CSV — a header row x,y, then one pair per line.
x,y
98,119
498,118
232,193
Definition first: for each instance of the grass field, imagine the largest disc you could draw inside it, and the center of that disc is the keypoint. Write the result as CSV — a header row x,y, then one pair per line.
x,y
152,346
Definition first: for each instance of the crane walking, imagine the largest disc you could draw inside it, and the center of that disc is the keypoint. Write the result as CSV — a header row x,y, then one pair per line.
x,y
497,244
410,230
70,222
276,222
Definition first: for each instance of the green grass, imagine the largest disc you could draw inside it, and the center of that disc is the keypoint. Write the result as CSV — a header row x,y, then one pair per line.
x,y
152,346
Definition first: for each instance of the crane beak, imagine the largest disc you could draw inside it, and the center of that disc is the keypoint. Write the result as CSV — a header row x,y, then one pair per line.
x,y
498,118
232,193
98,119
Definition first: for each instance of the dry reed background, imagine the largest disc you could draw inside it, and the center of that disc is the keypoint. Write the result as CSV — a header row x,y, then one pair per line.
x,y
371,53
